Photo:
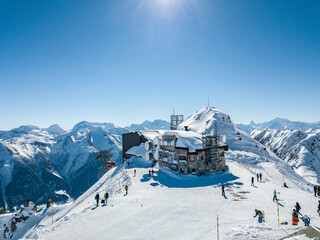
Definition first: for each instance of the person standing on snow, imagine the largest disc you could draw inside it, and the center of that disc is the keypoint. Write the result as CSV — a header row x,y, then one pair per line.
x,y
223,193
319,208
315,190
318,190
149,172
275,196
134,172
49,202
126,188
252,181
97,199
298,207
295,218
257,177
260,215
260,176
106,196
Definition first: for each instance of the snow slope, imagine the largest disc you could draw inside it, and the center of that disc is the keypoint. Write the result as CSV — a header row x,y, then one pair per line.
x,y
299,149
35,163
172,206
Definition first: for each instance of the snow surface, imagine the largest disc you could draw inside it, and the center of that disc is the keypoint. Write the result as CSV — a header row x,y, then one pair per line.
x,y
299,149
172,206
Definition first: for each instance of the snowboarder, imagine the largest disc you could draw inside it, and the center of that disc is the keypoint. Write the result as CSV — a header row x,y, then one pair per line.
x,y
257,177
275,196
126,188
97,199
106,196
298,207
285,185
134,172
49,202
260,176
252,181
306,220
223,193
295,218
260,215
315,190
319,208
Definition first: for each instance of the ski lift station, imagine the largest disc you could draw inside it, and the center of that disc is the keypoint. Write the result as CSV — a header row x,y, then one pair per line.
x,y
184,151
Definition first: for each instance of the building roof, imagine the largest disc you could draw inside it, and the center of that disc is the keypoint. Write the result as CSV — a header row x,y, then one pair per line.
x,y
309,232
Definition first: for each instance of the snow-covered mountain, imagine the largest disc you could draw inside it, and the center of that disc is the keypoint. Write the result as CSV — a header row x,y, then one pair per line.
x,y
299,149
281,123
36,163
186,207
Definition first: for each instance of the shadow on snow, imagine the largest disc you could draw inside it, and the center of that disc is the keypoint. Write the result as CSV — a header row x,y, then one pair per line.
x,y
173,179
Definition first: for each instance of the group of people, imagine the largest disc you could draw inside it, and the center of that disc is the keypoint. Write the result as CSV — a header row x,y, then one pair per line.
x,y
103,201
151,172
259,177
316,191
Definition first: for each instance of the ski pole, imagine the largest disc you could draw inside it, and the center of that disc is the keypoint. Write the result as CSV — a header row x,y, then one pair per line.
x,y
217,226
278,214
51,213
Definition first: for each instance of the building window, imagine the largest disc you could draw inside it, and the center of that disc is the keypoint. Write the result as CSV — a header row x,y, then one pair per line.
x,y
192,158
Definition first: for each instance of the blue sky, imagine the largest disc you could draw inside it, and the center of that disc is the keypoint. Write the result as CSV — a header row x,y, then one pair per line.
x,y
125,61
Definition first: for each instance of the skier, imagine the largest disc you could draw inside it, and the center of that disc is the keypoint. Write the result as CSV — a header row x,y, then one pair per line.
x,y
260,214
106,196
306,220
315,190
252,181
257,177
295,218
319,208
318,190
223,193
134,172
149,172
275,196
126,188
152,172
260,176
298,207
49,202
97,199
285,185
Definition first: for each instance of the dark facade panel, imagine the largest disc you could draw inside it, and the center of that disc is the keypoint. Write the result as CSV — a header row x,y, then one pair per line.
x,y
130,140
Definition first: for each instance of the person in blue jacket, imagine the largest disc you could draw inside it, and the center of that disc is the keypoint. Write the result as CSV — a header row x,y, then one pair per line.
x,y
260,215
306,220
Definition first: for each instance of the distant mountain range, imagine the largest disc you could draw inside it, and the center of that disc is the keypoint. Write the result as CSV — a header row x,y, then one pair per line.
x,y
281,123
37,163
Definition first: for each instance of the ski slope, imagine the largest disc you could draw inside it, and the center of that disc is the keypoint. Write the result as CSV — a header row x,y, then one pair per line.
x,y
171,206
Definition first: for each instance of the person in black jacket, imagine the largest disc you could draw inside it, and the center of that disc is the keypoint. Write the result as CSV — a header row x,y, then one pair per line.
x,y
315,190
319,208
97,199
298,207
106,196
